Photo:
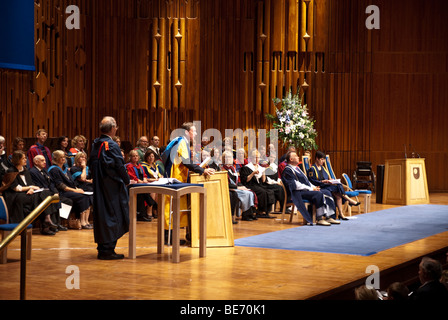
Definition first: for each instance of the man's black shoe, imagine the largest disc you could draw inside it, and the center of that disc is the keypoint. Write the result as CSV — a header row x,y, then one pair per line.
x,y
110,256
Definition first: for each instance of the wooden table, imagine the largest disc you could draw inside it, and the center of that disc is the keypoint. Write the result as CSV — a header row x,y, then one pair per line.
x,y
176,191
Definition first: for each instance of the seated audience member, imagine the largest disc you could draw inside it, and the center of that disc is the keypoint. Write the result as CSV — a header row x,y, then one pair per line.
x,y
155,141
273,182
246,198
263,161
153,173
431,289
364,293
150,166
42,179
213,164
319,176
397,291
205,155
253,177
301,188
22,196
240,160
229,145
117,140
78,144
290,149
17,144
142,147
138,175
444,278
3,158
282,161
39,148
63,146
66,186
215,161
80,173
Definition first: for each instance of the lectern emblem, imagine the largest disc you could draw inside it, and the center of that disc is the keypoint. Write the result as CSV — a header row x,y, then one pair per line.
x,y
416,172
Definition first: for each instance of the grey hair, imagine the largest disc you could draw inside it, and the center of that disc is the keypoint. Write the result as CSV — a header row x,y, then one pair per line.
x,y
106,124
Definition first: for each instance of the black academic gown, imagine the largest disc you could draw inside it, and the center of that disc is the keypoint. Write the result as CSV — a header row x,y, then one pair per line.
x,y
316,176
81,202
20,204
110,195
265,196
42,179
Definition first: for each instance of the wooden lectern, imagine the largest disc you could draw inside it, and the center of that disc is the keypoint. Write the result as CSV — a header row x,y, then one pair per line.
x,y
219,216
405,182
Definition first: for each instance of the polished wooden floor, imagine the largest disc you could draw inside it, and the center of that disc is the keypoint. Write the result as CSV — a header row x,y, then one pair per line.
x,y
232,273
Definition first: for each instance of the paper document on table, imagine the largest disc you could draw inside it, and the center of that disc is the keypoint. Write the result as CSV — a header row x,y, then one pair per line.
x,y
334,181
165,181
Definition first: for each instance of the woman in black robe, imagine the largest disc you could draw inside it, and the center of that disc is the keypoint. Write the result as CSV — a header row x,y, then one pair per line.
x,y
22,197
66,185
253,177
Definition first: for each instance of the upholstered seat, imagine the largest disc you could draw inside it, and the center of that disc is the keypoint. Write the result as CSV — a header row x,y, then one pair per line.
x,y
7,228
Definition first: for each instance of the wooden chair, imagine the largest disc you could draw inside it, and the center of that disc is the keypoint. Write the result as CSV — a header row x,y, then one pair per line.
x,y
288,202
7,228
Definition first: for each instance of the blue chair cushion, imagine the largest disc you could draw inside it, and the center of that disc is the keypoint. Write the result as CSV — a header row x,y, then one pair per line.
x,y
11,226
352,193
363,191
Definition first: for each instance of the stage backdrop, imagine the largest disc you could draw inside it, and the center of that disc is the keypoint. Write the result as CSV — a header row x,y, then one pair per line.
x,y
154,64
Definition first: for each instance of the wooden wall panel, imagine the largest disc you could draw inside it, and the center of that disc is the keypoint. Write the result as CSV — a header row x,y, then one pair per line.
x,y
154,64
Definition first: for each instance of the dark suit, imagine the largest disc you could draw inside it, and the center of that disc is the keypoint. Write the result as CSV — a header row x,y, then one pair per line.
x,y
430,291
42,179
290,176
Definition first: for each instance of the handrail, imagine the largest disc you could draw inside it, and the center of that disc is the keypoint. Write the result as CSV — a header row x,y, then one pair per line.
x,y
29,219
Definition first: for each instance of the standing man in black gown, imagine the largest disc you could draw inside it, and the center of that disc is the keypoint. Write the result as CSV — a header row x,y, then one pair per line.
x,y
110,195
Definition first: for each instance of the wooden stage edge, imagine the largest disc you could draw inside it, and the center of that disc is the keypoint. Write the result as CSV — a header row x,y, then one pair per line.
x,y
226,273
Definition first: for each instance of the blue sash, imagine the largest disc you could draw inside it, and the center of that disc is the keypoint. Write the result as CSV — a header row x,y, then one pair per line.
x,y
166,155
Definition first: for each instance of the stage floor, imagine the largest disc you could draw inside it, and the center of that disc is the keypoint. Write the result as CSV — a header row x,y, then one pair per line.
x,y
231,273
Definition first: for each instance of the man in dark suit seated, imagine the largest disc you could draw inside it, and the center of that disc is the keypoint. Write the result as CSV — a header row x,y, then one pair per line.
x,y
429,273
301,189
42,179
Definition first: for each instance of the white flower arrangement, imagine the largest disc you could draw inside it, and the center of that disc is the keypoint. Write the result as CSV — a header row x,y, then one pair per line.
x,y
293,122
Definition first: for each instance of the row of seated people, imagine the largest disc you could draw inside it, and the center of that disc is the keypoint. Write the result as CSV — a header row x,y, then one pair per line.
x,y
260,176
254,189
68,173
433,286
23,189
78,144
264,178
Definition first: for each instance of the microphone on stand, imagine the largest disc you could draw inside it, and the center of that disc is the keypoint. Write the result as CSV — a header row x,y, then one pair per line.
x,y
414,153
